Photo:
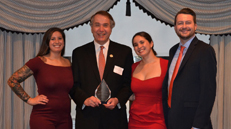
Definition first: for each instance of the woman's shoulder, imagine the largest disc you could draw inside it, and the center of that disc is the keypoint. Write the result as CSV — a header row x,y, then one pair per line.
x,y
163,63
134,65
42,58
34,60
34,63
67,62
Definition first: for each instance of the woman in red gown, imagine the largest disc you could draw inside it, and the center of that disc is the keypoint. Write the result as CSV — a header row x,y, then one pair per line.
x,y
53,75
146,111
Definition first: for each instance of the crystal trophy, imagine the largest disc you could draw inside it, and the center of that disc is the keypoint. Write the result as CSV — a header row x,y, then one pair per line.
x,y
103,92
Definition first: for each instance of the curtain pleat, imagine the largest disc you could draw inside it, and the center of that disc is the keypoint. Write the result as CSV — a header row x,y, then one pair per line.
x,y
18,62
36,16
227,83
29,84
217,114
8,96
15,51
213,16
221,114
2,46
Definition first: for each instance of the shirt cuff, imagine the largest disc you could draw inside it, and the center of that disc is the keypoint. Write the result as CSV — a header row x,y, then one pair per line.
x,y
118,105
83,106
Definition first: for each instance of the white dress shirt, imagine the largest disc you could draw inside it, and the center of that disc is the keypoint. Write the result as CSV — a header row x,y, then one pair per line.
x,y
97,50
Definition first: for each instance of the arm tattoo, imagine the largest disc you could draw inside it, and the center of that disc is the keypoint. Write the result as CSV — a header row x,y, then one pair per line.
x,y
18,77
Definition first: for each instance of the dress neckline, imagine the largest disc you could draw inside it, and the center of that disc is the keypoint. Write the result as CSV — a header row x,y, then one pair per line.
x,y
151,77
146,79
53,65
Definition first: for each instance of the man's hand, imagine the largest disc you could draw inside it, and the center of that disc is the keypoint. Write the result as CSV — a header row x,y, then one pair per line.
x,y
111,103
92,102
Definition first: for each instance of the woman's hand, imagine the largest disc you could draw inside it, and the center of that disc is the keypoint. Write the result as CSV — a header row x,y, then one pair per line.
x,y
40,99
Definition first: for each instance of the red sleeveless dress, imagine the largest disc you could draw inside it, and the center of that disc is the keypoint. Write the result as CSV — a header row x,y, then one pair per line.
x,y
146,111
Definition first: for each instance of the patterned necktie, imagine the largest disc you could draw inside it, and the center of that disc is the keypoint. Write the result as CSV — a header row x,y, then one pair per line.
x,y
174,75
101,62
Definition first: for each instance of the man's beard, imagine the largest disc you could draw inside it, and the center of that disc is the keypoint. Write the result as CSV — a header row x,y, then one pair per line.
x,y
185,37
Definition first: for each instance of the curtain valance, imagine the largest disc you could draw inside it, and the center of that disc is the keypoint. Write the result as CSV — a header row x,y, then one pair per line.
x,y
213,16
35,16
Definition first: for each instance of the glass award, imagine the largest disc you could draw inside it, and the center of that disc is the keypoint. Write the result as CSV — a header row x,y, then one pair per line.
x,y
103,92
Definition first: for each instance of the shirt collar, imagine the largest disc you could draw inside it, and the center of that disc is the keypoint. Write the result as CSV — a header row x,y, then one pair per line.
x,y
97,45
186,45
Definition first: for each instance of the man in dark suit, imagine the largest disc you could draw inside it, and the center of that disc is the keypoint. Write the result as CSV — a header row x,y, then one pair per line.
x,y
189,94
91,113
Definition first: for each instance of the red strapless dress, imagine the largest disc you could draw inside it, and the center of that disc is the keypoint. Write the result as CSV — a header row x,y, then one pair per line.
x,y
146,111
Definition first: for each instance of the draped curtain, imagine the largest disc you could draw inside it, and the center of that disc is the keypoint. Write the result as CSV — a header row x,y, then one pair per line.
x,y
22,24
35,16
213,18
15,50
221,114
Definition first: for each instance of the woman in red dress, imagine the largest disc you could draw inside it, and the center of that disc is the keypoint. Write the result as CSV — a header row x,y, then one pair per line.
x,y
146,111
53,75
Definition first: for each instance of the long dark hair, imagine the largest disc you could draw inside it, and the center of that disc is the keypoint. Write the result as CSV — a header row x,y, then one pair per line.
x,y
45,49
147,37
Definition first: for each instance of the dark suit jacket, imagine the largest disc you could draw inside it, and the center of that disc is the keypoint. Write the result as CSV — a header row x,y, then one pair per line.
x,y
87,78
194,88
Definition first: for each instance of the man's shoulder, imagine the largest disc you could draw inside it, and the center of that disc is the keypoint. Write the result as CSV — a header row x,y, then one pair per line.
x,y
204,46
203,43
84,47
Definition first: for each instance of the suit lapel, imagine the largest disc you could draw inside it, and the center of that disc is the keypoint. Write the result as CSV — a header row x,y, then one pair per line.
x,y
92,59
172,53
188,53
110,59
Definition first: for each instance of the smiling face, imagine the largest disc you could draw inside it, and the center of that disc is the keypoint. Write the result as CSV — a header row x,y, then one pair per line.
x,y
185,27
142,46
56,43
101,28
